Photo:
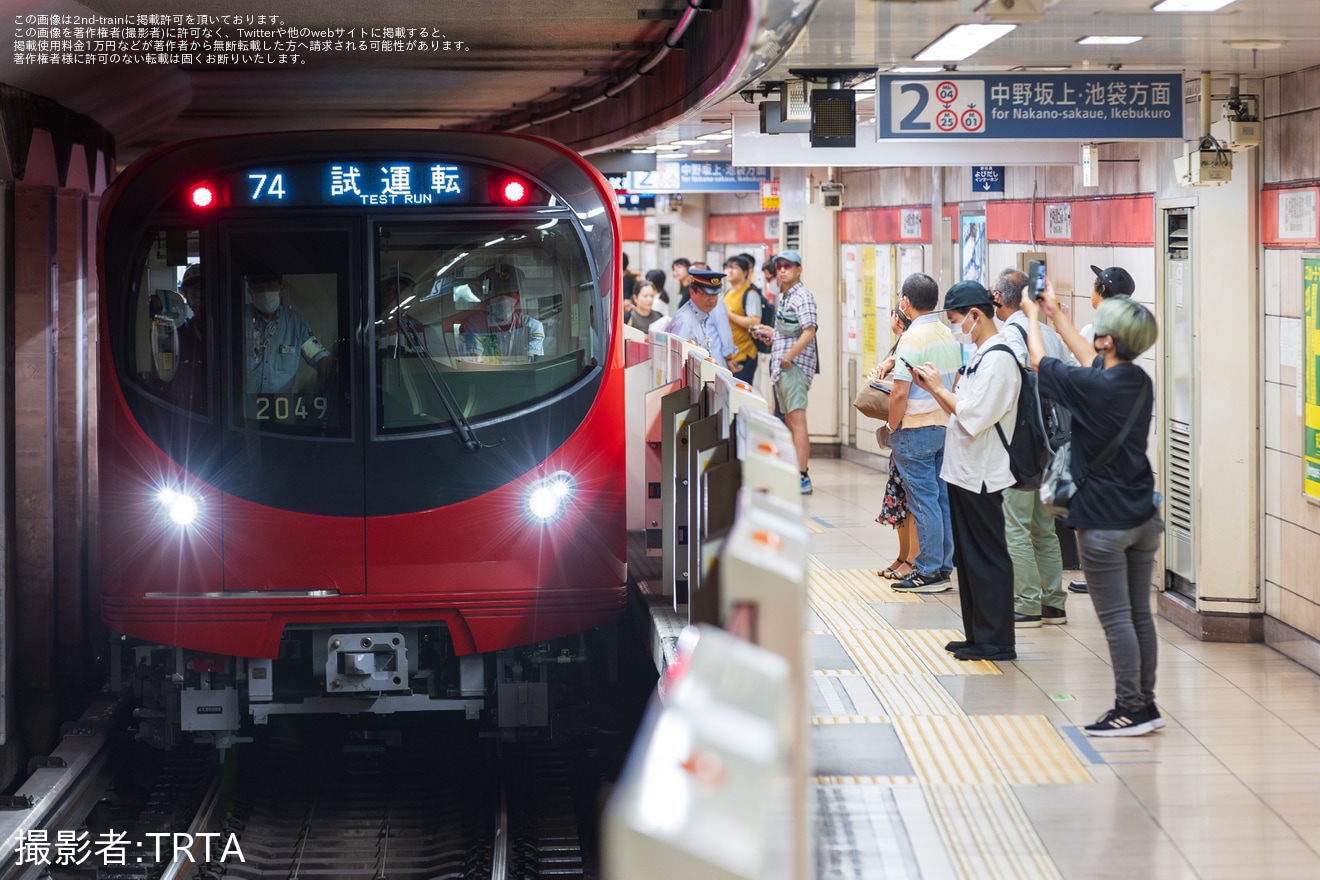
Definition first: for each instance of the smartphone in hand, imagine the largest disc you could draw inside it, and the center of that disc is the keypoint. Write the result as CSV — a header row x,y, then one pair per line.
x,y
1035,278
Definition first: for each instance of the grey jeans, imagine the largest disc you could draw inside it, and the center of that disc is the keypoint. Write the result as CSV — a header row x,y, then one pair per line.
x,y
1118,565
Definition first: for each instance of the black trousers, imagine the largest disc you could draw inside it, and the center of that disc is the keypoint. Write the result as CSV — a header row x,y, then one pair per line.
x,y
985,570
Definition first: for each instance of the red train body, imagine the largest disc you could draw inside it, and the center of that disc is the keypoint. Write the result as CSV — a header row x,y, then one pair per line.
x,y
421,437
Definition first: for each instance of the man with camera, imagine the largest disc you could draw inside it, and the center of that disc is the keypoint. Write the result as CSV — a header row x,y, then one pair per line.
x,y
1033,543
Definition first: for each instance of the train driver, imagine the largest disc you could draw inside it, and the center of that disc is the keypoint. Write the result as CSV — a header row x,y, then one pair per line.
x,y
277,338
502,329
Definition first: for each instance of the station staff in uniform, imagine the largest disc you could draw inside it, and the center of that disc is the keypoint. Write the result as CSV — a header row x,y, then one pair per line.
x,y
703,318
277,338
502,329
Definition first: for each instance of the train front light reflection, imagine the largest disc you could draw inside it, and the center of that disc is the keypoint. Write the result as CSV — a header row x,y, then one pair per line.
x,y
546,500
181,507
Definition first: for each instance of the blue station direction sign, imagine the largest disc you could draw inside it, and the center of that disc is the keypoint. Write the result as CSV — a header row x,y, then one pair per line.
x,y
1064,106
987,178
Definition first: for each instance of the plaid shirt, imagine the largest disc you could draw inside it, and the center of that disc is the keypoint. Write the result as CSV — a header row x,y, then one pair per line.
x,y
797,301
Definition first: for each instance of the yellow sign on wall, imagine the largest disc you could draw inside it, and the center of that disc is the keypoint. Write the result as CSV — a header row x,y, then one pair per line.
x,y
1311,375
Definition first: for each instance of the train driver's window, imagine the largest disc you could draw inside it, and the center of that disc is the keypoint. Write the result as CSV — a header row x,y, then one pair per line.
x,y
168,348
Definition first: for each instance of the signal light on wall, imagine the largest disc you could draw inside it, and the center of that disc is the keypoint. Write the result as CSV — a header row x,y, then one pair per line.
x,y
514,192
202,196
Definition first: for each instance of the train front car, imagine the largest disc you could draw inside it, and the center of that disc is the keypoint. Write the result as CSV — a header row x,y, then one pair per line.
x,y
361,410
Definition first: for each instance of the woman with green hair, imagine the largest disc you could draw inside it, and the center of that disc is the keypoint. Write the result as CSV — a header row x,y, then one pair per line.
x,y
1113,511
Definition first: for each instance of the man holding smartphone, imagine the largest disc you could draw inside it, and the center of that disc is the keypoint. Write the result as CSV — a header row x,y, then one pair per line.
x,y
1033,543
917,424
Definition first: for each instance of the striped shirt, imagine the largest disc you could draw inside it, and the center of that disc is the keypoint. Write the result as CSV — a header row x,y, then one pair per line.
x,y
928,339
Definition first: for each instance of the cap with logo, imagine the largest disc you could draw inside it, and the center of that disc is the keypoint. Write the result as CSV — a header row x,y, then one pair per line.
x,y
707,280
1116,280
502,279
968,295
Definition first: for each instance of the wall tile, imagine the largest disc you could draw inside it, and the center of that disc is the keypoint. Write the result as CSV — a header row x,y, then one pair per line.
x,y
1273,478
1273,552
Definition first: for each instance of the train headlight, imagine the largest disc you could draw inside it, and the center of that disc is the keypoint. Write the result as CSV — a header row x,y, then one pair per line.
x,y
546,500
181,507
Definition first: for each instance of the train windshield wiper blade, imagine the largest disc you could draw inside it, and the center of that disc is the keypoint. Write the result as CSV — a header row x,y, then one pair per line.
x,y
464,427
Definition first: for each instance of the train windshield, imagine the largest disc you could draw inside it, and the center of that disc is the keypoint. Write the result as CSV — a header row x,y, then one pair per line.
x,y
476,319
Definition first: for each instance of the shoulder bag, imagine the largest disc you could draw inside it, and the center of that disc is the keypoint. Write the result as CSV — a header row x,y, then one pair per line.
x,y
1057,487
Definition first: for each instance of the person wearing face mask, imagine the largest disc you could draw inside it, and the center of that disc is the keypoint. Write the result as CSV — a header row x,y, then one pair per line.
x,y
277,338
502,329
976,468
917,426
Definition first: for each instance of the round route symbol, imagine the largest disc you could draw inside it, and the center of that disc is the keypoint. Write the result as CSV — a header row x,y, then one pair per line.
x,y
972,120
947,120
946,92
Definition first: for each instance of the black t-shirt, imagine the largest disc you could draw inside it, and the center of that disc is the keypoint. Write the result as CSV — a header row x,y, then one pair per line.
x,y
1121,495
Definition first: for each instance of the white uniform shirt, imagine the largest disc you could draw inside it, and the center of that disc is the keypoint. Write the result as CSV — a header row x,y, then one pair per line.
x,y
974,456
1054,346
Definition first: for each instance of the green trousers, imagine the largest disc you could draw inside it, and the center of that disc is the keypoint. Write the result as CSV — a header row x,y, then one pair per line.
x,y
1033,546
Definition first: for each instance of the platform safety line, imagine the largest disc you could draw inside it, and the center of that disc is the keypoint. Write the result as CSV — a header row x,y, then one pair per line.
x,y
880,653
866,780
1031,751
913,695
928,644
836,673
862,582
849,719
947,748
987,833
815,528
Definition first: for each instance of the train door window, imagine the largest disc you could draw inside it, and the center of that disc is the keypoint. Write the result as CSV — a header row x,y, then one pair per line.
x,y
168,339
292,371
478,318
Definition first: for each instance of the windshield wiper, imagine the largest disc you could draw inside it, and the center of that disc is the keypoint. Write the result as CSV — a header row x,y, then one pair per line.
x,y
466,432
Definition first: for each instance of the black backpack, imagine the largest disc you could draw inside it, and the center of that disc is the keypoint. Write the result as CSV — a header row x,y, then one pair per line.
x,y
1057,418
752,300
1029,452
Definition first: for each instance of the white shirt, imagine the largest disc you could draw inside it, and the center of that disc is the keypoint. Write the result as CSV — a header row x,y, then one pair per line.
x,y
1054,346
974,456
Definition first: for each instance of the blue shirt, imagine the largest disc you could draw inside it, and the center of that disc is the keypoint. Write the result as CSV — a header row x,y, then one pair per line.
x,y
710,331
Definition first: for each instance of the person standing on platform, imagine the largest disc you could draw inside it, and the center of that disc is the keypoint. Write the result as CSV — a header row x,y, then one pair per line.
x,y
644,314
917,427
976,468
656,278
703,319
680,269
770,289
1115,510
1033,542
794,360
743,303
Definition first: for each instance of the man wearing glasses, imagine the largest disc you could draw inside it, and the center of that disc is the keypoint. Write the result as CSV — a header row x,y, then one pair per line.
x,y
703,318
793,358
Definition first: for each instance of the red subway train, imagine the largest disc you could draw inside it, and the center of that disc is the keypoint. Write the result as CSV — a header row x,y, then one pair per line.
x,y
360,425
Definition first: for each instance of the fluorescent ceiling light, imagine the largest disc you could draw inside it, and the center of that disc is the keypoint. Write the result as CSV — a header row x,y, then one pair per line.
x,y
1190,5
722,136
1041,68
1255,44
686,143
667,156
915,69
1108,41
962,41
666,147
645,150
707,151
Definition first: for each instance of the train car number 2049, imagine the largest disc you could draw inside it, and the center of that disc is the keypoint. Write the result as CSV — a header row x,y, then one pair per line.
x,y
290,407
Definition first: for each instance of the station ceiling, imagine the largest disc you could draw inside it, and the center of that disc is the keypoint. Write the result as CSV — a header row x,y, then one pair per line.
x,y
537,66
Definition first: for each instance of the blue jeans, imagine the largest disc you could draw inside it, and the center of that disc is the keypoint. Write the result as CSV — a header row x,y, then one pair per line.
x,y
918,453
1118,565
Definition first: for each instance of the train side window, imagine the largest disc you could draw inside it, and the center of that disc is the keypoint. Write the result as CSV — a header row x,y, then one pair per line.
x,y
168,351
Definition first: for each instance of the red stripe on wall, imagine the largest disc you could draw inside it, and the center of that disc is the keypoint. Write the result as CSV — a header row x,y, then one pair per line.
x,y
869,225
737,228
1269,217
633,228
1127,221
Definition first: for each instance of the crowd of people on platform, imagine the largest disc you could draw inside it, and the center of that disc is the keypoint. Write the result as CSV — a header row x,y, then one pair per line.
x,y
742,325
956,372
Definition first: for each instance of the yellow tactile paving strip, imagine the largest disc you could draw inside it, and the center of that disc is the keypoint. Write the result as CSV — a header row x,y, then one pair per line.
x,y
965,764
848,719
815,528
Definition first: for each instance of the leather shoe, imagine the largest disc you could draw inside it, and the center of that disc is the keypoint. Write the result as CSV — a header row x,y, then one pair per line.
x,y
957,646
986,652
1025,621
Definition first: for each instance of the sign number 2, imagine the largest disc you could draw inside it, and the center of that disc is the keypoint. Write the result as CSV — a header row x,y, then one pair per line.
x,y
909,122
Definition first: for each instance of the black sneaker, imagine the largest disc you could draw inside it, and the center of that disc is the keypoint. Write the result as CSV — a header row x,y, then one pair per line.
x,y
920,583
986,652
1121,722
1025,621
1077,586
957,646
1156,721
1052,615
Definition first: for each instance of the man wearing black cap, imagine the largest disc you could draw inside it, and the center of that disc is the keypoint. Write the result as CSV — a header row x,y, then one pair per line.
x,y
703,318
977,471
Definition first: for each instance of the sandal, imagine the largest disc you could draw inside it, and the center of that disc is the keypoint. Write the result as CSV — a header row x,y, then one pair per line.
x,y
894,574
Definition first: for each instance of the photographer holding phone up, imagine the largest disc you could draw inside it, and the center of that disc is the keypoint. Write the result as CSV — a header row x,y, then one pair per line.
x,y
1113,511
976,469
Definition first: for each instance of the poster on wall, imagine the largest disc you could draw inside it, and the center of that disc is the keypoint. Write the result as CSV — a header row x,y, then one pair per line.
x,y
1311,365
973,247
868,308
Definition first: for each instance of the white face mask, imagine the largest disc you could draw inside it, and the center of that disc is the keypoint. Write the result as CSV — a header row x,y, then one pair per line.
x,y
962,335
500,309
266,301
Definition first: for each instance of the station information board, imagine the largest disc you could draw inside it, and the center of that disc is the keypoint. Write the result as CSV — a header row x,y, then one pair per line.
x,y
1081,106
